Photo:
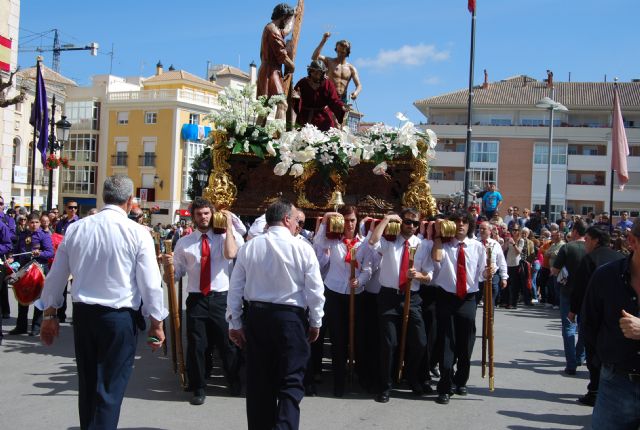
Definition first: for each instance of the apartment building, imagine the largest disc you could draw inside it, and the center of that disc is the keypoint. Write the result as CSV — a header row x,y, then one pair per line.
x,y
510,143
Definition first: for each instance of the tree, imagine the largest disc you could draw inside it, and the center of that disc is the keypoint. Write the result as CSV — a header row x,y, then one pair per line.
x,y
4,88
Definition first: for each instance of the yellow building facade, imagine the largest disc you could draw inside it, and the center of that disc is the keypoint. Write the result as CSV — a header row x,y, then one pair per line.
x,y
152,135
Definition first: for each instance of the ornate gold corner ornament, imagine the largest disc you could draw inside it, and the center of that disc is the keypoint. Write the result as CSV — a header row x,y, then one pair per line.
x,y
418,194
221,190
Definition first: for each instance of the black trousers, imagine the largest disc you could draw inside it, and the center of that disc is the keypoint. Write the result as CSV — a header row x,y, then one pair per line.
x,y
4,296
390,307
105,345
593,364
23,318
277,356
208,328
456,335
515,286
429,293
337,312
370,366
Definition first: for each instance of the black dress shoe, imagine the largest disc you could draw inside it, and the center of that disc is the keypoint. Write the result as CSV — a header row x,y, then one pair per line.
x,y
18,331
198,398
462,391
421,389
443,399
382,397
338,392
311,390
588,399
235,388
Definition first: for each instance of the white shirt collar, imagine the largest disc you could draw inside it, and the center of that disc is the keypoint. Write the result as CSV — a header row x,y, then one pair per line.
x,y
115,208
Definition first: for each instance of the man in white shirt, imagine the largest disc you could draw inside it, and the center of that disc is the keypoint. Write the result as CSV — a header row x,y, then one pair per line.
x,y
394,278
207,259
279,276
113,263
498,263
461,269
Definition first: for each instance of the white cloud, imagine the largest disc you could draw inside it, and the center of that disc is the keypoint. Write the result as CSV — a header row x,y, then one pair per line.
x,y
432,80
406,55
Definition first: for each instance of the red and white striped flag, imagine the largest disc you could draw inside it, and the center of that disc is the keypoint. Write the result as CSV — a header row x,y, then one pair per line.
x,y
620,147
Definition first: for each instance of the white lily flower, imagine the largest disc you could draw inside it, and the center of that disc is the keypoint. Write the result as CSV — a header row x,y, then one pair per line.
x,y
400,116
296,170
246,146
380,169
433,138
270,149
281,169
326,158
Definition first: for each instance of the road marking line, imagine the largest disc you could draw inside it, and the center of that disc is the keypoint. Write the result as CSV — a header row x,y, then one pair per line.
x,y
543,334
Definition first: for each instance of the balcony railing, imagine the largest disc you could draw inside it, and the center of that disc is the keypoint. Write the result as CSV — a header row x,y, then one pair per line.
x,y
184,95
147,160
119,159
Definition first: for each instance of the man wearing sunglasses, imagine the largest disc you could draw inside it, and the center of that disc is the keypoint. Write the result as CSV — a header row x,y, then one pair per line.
x,y
395,277
72,216
462,266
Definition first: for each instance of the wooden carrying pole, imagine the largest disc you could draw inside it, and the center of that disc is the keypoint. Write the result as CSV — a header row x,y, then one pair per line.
x,y
352,315
405,316
487,326
175,320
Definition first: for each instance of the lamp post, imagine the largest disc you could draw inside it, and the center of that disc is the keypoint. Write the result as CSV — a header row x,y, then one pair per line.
x,y
62,128
203,178
552,106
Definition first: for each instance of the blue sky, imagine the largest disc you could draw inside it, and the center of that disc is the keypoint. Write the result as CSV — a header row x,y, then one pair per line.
x,y
404,50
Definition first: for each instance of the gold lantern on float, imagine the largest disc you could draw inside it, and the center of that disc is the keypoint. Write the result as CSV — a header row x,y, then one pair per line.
x,y
391,231
335,226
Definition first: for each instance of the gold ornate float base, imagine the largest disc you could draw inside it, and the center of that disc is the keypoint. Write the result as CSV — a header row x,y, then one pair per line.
x,y
247,185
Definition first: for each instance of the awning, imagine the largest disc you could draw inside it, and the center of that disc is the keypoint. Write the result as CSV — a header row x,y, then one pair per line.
x,y
195,132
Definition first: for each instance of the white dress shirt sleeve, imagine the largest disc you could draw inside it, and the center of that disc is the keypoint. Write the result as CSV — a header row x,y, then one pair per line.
x,y
501,262
236,292
313,290
365,261
149,280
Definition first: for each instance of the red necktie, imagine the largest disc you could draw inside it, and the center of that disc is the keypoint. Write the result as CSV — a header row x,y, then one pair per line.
x,y
461,273
404,267
205,266
349,244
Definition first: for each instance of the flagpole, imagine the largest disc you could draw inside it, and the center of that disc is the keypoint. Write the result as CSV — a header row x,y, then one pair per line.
x,y
35,128
611,202
469,104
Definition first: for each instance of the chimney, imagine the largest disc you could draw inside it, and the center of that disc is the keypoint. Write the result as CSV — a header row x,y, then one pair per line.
x,y
253,73
549,79
485,84
158,68
171,68
524,80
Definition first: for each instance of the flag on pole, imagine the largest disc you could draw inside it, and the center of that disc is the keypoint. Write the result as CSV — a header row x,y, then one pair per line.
x,y
5,54
40,114
472,6
619,142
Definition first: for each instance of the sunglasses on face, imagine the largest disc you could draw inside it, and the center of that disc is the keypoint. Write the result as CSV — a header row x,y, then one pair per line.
x,y
411,222
72,207
300,223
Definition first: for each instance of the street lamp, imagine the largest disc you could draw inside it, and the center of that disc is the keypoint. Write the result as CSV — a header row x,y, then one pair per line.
x,y
552,106
62,128
203,178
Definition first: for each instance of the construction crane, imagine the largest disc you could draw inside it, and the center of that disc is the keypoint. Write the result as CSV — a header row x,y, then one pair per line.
x,y
57,49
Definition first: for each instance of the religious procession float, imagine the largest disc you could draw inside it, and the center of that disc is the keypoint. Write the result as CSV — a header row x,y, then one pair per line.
x,y
256,155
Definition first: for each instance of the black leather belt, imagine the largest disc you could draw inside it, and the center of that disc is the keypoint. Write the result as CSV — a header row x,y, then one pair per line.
x,y
276,307
396,291
211,293
633,375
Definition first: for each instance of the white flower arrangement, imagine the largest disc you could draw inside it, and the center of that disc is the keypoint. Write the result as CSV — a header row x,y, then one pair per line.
x,y
331,150
341,149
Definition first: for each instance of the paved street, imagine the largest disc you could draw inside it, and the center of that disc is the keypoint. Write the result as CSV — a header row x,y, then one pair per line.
x,y
39,389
